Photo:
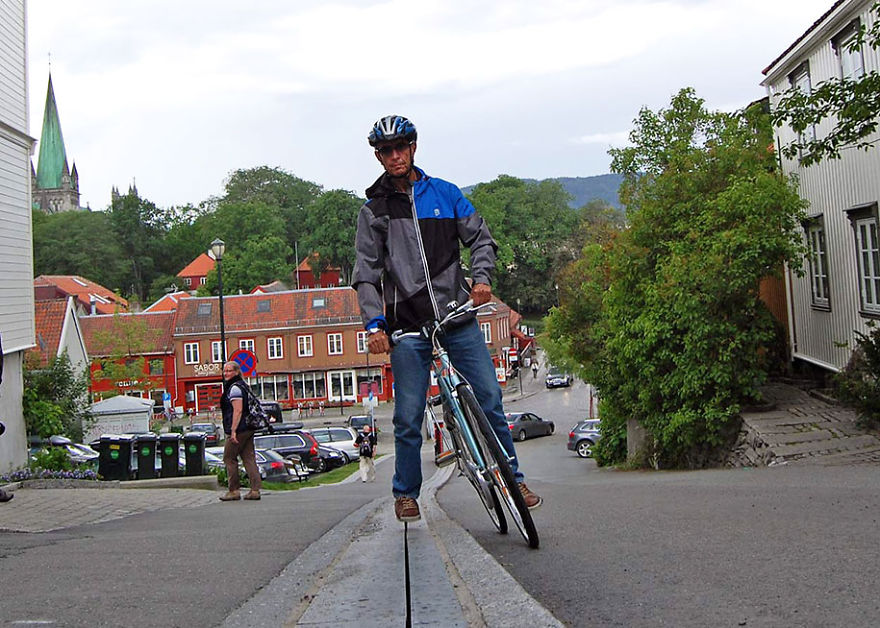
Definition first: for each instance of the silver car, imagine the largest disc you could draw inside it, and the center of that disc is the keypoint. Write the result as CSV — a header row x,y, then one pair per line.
x,y
341,438
583,437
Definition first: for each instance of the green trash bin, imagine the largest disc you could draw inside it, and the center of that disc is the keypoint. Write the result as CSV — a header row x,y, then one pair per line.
x,y
114,458
169,446
145,445
194,446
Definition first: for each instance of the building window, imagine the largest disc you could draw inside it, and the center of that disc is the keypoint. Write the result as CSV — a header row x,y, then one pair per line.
x,y
818,264
202,280
486,328
304,346
800,79
246,344
191,353
204,309
309,385
157,367
369,378
275,348
362,341
270,388
869,264
216,351
334,344
187,282
851,61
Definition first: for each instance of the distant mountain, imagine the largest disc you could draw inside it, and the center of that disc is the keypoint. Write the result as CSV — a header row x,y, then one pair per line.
x,y
584,189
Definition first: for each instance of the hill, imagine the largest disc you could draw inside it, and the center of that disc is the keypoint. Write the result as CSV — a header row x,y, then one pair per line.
x,y
584,189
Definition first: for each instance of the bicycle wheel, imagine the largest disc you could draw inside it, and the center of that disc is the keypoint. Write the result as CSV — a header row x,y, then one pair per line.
x,y
498,467
469,468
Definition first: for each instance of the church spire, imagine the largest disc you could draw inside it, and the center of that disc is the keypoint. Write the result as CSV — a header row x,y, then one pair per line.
x,y
52,165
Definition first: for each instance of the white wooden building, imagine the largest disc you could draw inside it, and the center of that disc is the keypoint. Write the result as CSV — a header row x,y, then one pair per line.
x,y
840,290
16,248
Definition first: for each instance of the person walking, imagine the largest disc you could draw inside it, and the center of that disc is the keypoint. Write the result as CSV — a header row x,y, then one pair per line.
x,y
407,272
239,439
366,443
534,369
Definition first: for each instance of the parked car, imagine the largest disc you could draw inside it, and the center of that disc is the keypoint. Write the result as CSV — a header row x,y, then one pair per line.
x,y
341,438
283,428
304,445
77,452
276,468
556,379
358,421
583,437
525,425
213,432
273,409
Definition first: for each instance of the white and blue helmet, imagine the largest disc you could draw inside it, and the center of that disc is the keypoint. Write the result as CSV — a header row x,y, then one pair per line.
x,y
392,128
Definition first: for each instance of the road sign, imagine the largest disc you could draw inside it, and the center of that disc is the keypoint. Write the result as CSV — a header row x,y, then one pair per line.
x,y
247,361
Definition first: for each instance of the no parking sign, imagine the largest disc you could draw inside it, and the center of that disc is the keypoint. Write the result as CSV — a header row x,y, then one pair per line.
x,y
247,361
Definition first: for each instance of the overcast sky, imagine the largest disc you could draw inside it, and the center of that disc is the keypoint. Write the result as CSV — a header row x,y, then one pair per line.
x,y
176,95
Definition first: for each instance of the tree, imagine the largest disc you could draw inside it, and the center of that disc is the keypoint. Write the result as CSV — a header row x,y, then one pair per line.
x,y
124,346
259,260
853,104
329,228
138,226
535,231
55,399
66,244
673,329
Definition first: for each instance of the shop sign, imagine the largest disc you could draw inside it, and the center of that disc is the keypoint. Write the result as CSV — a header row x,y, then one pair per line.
x,y
203,370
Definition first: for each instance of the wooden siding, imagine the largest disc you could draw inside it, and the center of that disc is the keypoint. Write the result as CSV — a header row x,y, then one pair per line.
x,y
825,336
13,85
16,249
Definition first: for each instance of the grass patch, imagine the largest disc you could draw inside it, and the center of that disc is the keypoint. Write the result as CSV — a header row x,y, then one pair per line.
x,y
316,479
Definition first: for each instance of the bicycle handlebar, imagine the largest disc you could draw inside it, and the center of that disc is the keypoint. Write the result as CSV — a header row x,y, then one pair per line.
x,y
467,306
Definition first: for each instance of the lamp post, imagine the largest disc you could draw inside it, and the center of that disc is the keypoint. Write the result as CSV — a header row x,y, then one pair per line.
x,y
218,248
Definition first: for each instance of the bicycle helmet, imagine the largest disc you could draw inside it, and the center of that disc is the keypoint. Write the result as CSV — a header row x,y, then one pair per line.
x,y
392,128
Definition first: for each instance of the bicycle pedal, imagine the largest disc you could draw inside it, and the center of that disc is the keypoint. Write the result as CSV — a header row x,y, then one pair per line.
x,y
444,458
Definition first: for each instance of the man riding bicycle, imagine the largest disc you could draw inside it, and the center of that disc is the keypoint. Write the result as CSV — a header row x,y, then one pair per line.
x,y
408,270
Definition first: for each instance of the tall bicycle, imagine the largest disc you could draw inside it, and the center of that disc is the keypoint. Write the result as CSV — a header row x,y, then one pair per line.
x,y
478,453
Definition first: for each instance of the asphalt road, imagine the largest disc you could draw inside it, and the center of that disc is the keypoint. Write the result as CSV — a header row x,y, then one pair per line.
x,y
781,546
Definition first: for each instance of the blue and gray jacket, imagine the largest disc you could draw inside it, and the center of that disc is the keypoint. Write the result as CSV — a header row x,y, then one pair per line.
x,y
408,266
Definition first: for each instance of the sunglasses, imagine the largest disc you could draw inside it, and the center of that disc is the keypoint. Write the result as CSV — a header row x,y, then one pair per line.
x,y
387,151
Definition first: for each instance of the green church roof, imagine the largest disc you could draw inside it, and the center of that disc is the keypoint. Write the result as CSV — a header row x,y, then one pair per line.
x,y
53,158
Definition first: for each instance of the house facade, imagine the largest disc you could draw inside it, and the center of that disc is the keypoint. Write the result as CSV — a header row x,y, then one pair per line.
x,y
58,331
149,337
309,346
839,293
194,274
16,241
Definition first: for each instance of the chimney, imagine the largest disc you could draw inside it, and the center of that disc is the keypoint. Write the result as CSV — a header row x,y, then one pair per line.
x,y
92,302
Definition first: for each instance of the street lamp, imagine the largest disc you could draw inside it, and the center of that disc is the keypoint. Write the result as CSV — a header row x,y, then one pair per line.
x,y
218,248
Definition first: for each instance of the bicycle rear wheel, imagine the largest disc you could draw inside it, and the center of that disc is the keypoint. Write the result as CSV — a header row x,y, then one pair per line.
x,y
498,467
469,468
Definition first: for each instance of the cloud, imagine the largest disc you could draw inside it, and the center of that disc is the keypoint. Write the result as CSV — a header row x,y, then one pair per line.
x,y
617,138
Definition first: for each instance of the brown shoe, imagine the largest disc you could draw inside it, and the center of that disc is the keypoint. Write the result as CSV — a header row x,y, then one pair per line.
x,y
406,509
231,496
253,495
532,500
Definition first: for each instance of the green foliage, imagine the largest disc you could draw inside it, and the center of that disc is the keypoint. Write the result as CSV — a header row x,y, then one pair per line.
x,y
536,235
52,459
852,104
665,315
330,225
55,400
858,384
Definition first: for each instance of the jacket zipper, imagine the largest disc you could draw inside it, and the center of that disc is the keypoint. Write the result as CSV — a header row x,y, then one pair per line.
x,y
412,203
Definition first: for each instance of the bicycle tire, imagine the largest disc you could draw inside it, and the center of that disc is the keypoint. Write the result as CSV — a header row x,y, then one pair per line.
x,y
502,474
463,457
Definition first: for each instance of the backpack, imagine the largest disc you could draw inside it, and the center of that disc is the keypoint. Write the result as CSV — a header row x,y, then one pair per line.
x,y
366,448
256,417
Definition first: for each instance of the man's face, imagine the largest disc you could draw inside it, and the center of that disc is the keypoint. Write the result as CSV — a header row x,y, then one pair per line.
x,y
396,157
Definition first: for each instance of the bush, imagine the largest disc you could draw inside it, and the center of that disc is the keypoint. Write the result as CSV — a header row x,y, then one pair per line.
x,y
858,383
52,459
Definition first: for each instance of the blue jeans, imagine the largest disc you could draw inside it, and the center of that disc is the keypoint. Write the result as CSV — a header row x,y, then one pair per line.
x,y
410,364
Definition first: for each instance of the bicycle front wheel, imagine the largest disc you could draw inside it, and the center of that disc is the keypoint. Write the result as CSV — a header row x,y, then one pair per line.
x,y
469,468
498,467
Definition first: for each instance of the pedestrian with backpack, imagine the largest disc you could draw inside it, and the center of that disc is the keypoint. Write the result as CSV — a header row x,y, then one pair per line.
x,y
239,435
366,442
